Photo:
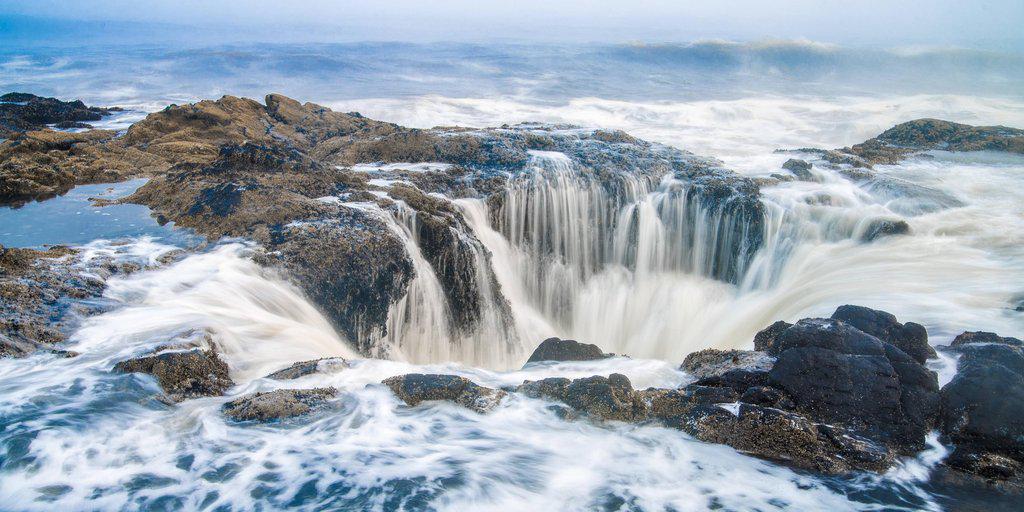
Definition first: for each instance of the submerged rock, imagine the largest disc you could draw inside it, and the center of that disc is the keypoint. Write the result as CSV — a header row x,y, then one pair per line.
x,y
415,388
303,368
557,349
277,404
883,228
183,374
800,168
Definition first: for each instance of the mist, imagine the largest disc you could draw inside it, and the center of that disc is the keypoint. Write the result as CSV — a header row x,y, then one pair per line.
x,y
992,24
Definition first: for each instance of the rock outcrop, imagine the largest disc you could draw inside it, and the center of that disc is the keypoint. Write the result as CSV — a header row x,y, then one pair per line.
x,y
45,293
278,404
911,338
416,388
983,408
183,374
602,398
23,112
557,349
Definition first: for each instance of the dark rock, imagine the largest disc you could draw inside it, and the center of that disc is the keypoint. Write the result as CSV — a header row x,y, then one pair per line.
x,y
786,437
415,388
883,228
713,362
919,135
838,374
800,168
767,396
183,375
303,368
277,404
983,405
911,338
986,465
21,112
556,349
606,398
738,379
984,337
671,404
764,339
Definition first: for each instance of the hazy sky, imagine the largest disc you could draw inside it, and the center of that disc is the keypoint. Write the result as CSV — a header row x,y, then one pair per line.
x,y
981,24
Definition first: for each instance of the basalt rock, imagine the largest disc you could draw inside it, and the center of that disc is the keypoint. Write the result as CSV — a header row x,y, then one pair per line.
x,y
766,338
557,349
713,362
983,407
911,338
415,388
23,112
603,398
183,374
278,404
840,375
303,368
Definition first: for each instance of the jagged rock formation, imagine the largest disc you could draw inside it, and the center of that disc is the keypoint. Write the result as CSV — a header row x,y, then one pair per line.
x,y
22,112
303,368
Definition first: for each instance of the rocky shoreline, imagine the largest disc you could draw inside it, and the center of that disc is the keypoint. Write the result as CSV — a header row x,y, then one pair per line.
x,y
307,185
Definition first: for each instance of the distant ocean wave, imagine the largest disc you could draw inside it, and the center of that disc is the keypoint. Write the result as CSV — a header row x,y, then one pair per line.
x,y
702,70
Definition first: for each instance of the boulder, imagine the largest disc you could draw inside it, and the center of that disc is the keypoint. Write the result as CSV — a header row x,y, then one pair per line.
x,y
557,349
910,337
800,168
303,368
763,340
838,374
604,398
673,404
984,337
183,374
880,228
983,406
277,404
415,388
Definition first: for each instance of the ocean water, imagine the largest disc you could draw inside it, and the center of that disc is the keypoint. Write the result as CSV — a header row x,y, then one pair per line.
x,y
73,435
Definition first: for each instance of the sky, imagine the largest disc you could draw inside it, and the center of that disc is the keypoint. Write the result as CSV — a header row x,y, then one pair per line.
x,y
981,24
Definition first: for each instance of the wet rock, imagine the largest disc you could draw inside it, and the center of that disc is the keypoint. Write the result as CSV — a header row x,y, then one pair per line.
x,y
303,368
800,168
786,437
911,338
605,398
738,379
713,362
415,388
183,375
767,396
22,112
557,349
766,338
840,375
983,405
984,337
278,404
883,228
673,404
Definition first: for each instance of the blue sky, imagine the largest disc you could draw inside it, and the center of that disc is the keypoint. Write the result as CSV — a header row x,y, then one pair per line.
x,y
986,24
